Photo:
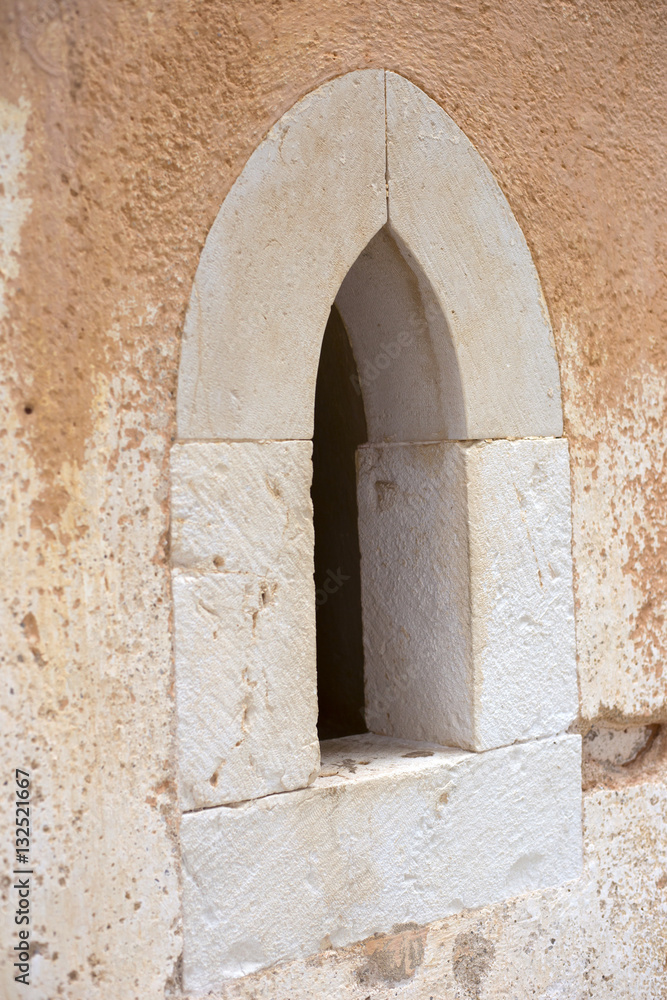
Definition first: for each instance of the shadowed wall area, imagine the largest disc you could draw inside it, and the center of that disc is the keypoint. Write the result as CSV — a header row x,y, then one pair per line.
x,y
340,426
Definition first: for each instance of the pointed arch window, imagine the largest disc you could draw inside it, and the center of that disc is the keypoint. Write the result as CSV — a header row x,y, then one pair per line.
x,y
466,788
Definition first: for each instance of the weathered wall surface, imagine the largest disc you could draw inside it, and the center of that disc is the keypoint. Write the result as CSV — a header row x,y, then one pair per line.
x,y
123,127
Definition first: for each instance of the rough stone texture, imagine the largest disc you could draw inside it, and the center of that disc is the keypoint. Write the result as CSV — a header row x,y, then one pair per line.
x,y
267,276
610,770
601,937
246,688
523,641
454,224
127,125
617,747
467,590
392,833
242,507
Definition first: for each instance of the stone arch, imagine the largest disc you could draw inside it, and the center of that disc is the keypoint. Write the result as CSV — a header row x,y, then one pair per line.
x,y
366,150
367,193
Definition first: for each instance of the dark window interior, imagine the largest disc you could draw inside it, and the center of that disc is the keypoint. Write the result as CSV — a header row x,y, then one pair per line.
x,y
340,426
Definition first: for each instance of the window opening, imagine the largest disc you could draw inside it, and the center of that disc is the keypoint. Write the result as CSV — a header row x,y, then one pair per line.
x,y
340,427
462,407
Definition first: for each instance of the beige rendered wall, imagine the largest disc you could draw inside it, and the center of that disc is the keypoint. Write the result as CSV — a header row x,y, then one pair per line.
x,y
123,127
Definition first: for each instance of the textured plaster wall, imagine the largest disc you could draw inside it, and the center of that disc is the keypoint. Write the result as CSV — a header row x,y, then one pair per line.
x,y
123,127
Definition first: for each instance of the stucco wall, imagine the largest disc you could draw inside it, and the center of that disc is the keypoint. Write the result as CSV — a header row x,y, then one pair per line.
x,y
124,125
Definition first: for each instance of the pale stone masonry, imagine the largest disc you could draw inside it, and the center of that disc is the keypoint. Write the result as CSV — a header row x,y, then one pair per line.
x,y
125,129
466,564
466,572
454,226
244,607
391,831
306,204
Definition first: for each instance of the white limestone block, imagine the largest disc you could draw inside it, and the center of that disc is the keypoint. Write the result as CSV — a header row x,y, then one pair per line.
x,y
244,606
241,506
467,599
391,833
308,201
455,227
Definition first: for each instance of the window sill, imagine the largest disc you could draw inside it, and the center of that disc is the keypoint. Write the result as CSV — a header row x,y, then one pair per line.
x,y
390,832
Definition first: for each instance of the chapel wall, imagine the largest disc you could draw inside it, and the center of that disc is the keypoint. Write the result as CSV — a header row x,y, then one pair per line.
x,y
123,129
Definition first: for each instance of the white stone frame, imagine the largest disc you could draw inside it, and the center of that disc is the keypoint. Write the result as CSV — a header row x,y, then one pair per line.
x,y
367,193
